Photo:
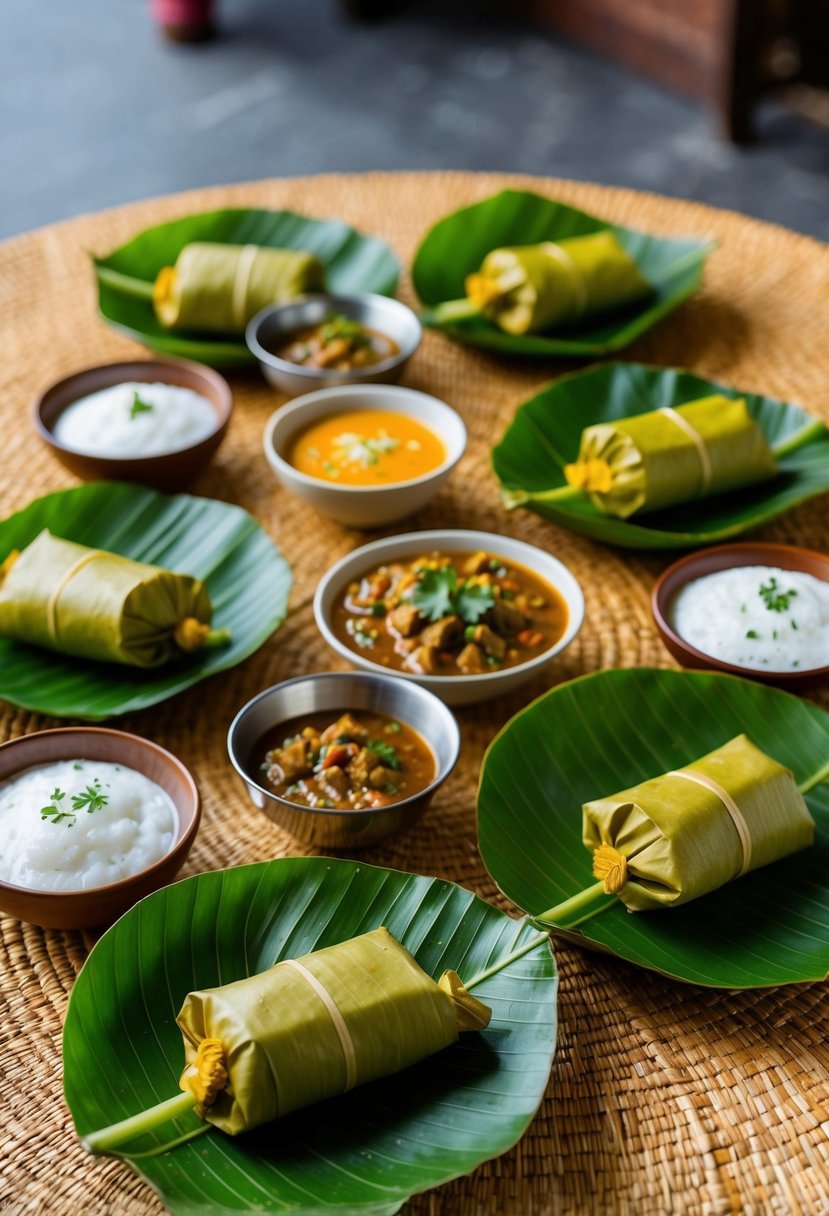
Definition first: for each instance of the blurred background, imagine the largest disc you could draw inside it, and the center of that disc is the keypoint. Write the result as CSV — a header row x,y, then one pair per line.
x,y
723,101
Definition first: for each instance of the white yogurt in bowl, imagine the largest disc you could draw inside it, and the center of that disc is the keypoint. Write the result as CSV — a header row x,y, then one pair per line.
x,y
759,617
79,824
132,420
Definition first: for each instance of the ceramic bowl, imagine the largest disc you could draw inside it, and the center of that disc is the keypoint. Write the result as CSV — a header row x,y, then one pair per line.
x,y
99,906
363,506
454,690
169,472
336,692
726,557
273,327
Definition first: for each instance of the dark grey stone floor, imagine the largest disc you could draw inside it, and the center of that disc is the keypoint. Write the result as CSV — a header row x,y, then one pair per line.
x,y
97,110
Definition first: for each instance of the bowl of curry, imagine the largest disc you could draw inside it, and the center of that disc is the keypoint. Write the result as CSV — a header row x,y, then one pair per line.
x,y
467,615
342,760
366,455
320,340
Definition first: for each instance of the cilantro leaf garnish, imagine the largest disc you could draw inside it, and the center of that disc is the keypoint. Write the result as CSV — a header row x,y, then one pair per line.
x,y
140,407
775,599
55,811
384,752
91,799
438,593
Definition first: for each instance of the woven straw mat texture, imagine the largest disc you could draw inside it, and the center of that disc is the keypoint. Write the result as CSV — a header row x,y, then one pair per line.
x,y
663,1098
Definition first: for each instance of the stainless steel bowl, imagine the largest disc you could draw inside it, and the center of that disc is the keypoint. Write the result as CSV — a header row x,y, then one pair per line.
x,y
336,691
274,325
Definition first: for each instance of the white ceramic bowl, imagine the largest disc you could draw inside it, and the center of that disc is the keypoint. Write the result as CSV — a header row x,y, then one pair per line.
x,y
363,506
454,690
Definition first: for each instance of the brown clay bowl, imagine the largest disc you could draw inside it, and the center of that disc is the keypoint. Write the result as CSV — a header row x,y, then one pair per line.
x,y
169,472
726,557
100,906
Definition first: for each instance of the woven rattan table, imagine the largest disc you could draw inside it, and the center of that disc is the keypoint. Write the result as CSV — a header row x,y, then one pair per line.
x,y
663,1098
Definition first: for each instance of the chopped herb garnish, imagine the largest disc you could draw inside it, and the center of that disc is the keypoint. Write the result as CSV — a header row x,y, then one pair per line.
x,y
379,609
54,811
389,789
77,766
391,728
793,623
438,594
752,633
775,599
139,407
91,799
384,753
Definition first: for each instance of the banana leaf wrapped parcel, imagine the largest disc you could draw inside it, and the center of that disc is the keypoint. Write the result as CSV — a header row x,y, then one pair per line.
x,y
98,605
534,288
220,287
669,456
304,1030
683,834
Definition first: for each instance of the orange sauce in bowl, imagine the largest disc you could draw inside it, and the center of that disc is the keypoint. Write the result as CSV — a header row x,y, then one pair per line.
x,y
366,448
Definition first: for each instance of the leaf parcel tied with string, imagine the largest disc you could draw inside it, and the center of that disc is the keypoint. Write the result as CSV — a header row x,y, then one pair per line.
x,y
533,288
97,605
307,1029
214,286
685,833
670,456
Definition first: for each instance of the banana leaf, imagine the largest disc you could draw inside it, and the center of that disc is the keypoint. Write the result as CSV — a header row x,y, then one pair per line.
x,y
544,436
247,579
364,1152
352,262
457,245
607,732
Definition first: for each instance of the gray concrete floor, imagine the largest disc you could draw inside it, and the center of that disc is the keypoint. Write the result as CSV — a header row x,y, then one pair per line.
x,y
98,110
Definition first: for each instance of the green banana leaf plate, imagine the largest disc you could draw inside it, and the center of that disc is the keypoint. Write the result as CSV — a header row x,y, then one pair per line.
x,y
457,245
545,433
367,1151
607,732
353,264
246,576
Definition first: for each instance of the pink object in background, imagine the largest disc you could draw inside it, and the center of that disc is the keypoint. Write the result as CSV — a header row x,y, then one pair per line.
x,y
184,20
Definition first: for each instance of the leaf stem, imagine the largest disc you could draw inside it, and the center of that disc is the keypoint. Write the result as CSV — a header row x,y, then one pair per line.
x,y
573,911
559,494
815,779
455,310
137,1125
217,637
800,438
590,902
125,283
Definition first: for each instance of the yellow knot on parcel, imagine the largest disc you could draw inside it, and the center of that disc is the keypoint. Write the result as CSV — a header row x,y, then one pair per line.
x,y
313,1027
692,830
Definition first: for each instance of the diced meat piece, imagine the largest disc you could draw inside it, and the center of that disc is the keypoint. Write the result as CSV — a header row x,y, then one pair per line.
x,y
423,660
360,766
346,727
472,660
292,761
378,585
380,777
336,349
404,620
375,798
334,783
477,563
505,618
491,642
442,633
339,754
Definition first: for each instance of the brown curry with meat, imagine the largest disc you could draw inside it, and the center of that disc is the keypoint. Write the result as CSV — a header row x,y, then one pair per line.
x,y
450,614
346,762
338,344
